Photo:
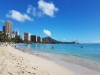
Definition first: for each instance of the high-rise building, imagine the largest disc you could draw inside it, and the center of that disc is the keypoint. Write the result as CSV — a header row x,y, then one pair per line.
x,y
33,38
4,29
38,39
8,27
16,33
41,39
27,36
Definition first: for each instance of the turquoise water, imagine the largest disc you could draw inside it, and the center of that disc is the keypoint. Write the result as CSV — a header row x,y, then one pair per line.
x,y
83,54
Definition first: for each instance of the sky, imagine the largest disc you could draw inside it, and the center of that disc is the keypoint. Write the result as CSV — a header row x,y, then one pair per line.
x,y
64,20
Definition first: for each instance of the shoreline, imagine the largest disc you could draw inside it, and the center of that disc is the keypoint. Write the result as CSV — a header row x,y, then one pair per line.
x,y
46,67
63,60
74,66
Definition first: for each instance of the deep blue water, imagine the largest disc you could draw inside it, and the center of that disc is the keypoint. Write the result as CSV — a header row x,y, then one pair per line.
x,y
82,52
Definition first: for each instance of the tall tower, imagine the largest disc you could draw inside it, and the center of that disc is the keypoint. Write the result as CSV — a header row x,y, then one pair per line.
x,y
8,27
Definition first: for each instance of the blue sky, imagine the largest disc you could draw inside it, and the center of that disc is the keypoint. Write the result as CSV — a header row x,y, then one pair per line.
x,y
61,19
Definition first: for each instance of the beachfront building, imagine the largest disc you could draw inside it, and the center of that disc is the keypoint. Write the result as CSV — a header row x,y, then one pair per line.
x,y
38,39
8,27
33,38
16,33
4,29
41,39
27,36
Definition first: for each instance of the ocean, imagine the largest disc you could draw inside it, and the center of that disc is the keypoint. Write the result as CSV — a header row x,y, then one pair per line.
x,y
86,55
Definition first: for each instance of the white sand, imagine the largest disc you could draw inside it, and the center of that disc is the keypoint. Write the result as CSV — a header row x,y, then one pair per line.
x,y
15,62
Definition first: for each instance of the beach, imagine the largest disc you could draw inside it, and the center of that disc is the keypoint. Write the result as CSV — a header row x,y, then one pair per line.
x,y
16,62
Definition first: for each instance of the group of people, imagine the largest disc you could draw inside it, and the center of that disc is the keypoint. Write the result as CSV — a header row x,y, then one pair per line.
x,y
4,44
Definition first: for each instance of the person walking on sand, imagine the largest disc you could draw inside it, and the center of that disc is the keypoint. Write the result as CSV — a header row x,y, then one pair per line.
x,y
15,46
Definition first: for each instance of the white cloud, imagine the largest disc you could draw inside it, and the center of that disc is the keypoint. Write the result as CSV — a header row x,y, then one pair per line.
x,y
44,8
96,41
32,10
47,8
47,32
18,16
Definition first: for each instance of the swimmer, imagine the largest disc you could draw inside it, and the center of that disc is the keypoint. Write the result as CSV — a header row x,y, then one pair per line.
x,y
52,47
81,47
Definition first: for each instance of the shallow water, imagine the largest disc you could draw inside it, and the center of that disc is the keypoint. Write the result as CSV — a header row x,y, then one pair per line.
x,y
87,55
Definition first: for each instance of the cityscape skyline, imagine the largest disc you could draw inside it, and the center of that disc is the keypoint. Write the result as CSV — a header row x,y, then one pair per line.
x,y
7,29
64,20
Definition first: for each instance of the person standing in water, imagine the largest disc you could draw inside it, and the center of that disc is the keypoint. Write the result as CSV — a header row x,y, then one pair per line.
x,y
81,46
52,47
